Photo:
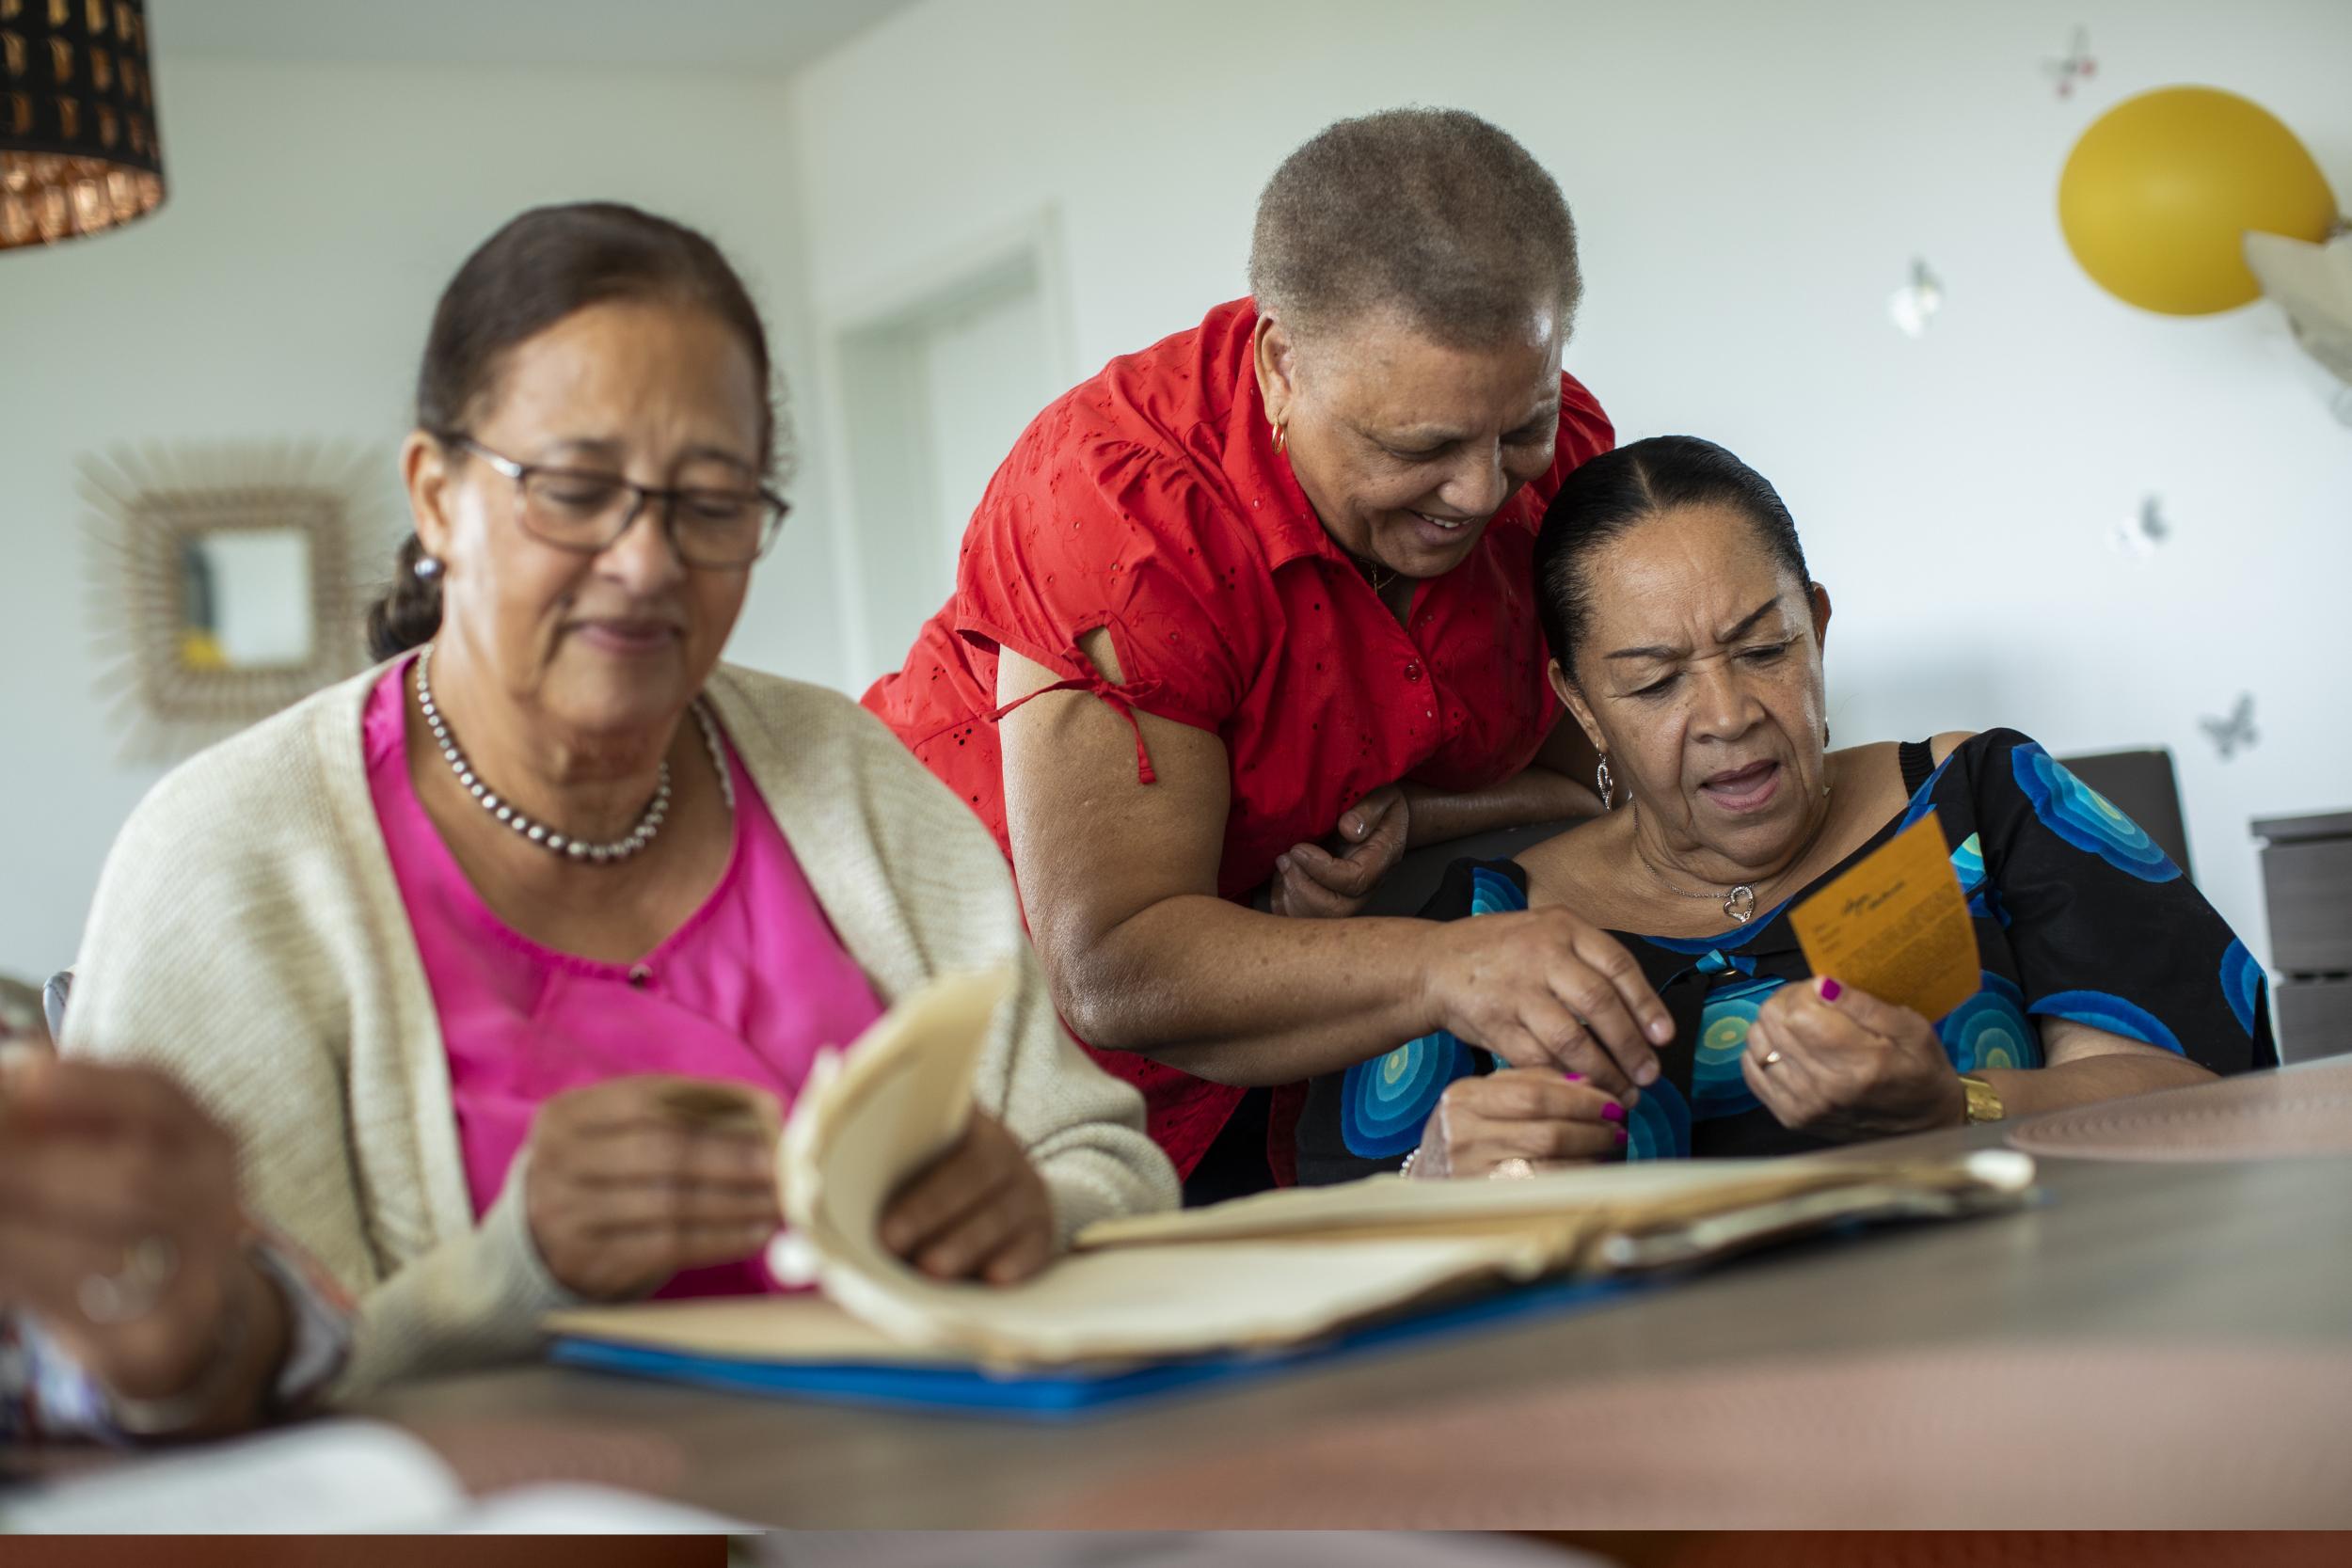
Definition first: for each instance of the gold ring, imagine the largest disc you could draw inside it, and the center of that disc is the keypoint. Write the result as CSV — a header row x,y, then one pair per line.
x,y
1772,1058
1515,1168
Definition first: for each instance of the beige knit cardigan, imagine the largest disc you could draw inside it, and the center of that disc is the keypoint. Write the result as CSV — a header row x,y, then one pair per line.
x,y
249,937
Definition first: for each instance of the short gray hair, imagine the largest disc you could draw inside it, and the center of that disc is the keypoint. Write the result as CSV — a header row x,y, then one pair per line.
x,y
1430,213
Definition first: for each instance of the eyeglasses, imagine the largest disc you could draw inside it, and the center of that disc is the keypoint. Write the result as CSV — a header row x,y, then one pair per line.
x,y
587,511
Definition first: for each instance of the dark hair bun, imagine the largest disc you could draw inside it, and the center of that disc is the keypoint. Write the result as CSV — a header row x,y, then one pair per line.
x,y
409,613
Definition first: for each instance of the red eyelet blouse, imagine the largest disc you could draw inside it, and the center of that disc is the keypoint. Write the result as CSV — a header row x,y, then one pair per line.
x,y
1150,502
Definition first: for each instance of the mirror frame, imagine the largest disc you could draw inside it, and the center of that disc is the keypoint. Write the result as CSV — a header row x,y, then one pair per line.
x,y
147,507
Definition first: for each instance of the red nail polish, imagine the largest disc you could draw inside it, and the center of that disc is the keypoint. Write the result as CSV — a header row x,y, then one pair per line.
x,y
1612,1112
1830,989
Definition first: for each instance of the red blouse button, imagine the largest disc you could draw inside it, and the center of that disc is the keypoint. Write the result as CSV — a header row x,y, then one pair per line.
x,y
1412,670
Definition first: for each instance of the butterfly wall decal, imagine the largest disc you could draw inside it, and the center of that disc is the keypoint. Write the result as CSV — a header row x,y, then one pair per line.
x,y
2236,732
1915,305
2140,535
2076,66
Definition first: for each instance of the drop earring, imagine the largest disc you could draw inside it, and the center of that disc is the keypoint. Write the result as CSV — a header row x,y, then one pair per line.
x,y
1605,785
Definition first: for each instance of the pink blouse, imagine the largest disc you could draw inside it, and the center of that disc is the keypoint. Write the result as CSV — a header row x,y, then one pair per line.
x,y
747,990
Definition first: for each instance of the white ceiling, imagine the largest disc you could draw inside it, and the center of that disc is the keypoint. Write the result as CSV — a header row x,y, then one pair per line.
x,y
730,35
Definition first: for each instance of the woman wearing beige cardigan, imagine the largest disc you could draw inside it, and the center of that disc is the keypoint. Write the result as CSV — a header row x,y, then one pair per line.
x,y
455,947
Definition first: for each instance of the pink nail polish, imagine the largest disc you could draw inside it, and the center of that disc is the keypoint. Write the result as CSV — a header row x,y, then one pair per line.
x,y
1573,1077
1612,1112
1621,1137
1830,989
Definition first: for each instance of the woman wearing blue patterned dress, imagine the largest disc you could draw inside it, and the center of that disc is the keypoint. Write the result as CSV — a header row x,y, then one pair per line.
x,y
1687,638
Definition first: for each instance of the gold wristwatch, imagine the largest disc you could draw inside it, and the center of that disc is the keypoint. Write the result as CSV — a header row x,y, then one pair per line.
x,y
1984,1101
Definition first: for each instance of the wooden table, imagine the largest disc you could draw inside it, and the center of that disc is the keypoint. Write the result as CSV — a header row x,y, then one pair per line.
x,y
2243,1253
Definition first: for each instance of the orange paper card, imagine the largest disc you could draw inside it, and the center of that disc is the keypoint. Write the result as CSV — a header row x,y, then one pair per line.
x,y
1896,926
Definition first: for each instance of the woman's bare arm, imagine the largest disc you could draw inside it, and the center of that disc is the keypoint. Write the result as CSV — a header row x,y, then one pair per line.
x,y
1547,790
2081,1063
1118,882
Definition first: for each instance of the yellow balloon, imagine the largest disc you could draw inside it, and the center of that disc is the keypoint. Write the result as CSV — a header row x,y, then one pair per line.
x,y
2157,195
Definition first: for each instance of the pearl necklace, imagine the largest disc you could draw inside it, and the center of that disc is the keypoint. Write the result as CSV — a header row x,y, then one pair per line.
x,y
639,837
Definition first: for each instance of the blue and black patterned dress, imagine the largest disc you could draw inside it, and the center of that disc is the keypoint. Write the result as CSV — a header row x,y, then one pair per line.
x,y
2078,915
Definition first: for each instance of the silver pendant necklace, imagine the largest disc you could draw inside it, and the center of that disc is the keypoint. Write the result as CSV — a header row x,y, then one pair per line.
x,y
634,842
1738,901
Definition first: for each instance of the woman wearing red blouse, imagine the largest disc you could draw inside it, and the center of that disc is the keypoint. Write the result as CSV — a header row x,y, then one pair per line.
x,y
1253,607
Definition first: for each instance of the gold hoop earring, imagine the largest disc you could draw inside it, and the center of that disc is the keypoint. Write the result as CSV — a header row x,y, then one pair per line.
x,y
1281,438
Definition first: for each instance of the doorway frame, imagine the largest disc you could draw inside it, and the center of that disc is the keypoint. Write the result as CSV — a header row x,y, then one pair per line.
x,y
857,334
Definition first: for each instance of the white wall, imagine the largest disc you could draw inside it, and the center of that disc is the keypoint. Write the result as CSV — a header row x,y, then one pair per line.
x,y
1752,182
284,290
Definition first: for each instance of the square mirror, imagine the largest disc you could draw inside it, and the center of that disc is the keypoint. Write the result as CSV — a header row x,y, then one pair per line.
x,y
246,599
231,570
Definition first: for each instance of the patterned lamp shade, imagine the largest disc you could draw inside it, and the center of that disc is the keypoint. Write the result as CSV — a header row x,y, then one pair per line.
x,y
78,152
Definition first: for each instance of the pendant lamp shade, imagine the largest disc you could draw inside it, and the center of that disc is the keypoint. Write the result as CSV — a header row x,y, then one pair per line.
x,y
78,152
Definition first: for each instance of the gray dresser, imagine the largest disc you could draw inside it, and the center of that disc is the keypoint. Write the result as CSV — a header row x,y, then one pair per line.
x,y
2307,879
